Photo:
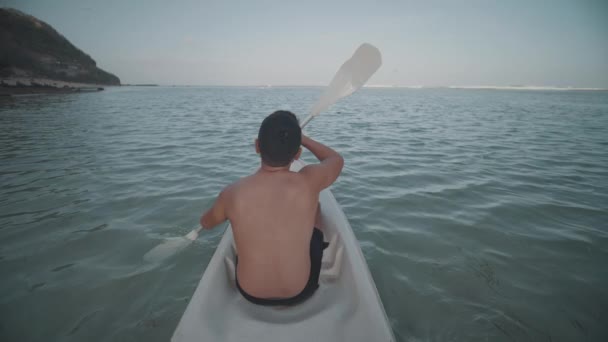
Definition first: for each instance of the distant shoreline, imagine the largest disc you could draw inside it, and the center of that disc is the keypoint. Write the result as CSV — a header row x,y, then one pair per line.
x,y
17,90
140,85
30,86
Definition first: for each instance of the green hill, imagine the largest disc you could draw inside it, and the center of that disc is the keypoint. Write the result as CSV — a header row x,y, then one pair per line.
x,y
33,49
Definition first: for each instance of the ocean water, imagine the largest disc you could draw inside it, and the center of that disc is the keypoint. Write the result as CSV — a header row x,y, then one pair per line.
x,y
483,214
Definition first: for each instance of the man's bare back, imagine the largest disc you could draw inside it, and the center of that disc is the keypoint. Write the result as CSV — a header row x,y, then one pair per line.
x,y
272,213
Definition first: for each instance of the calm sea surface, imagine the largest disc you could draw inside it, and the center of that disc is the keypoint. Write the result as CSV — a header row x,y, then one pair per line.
x,y
483,214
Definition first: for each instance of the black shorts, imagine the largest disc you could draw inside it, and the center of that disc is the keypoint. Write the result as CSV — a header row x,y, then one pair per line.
x,y
317,245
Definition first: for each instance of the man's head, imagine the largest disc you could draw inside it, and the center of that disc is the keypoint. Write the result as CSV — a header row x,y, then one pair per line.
x,y
279,139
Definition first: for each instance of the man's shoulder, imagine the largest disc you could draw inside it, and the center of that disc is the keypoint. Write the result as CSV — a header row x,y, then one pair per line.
x,y
308,172
247,184
301,182
252,183
238,184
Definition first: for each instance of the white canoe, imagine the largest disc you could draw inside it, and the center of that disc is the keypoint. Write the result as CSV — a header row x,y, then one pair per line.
x,y
346,306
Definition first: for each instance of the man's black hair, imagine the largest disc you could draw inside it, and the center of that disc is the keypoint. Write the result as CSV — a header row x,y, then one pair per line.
x,y
279,138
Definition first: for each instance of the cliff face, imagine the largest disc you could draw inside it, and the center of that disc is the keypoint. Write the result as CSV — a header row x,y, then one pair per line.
x,y
30,48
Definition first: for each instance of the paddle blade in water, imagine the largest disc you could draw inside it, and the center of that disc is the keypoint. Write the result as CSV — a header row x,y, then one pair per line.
x,y
167,249
352,75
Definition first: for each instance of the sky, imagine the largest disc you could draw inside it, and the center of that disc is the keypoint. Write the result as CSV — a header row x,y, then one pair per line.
x,y
281,42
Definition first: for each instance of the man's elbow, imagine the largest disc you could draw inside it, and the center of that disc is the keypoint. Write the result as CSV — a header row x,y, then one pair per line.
x,y
205,222
340,162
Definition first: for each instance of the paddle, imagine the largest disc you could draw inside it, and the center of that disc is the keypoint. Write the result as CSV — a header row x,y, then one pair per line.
x,y
351,76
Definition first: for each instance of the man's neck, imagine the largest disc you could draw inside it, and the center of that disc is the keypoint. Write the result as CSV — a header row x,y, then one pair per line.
x,y
266,168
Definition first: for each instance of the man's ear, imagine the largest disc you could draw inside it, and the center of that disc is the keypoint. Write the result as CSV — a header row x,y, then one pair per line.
x,y
257,146
297,156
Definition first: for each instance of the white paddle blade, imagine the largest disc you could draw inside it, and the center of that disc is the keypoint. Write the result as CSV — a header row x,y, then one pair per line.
x,y
167,249
352,75
193,235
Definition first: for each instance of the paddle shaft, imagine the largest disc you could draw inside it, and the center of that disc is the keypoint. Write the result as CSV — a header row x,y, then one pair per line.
x,y
306,121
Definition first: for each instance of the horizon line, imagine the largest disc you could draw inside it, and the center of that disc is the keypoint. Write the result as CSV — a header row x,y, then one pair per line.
x,y
380,86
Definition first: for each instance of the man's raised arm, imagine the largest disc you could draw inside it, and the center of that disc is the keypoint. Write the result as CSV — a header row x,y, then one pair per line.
x,y
325,173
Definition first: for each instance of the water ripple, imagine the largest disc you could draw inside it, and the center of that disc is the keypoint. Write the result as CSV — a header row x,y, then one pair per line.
x,y
482,214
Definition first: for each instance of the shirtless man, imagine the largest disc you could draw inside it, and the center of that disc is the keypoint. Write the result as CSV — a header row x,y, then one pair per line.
x,y
274,213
